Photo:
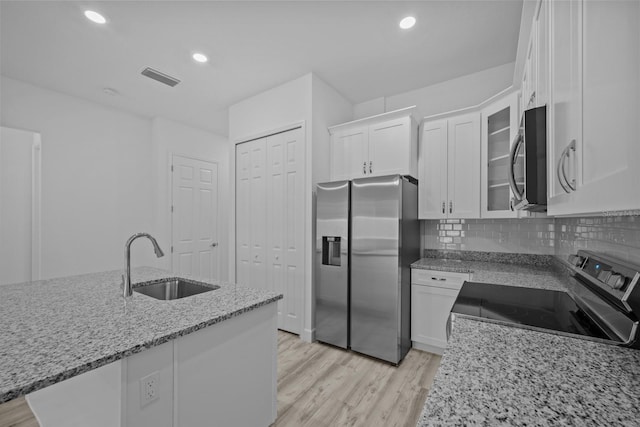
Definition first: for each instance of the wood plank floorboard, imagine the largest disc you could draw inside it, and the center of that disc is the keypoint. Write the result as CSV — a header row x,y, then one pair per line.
x,y
323,386
17,413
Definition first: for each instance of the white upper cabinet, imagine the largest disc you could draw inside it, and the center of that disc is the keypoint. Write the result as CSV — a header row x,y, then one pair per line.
x,y
349,148
565,103
449,164
381,145
499,129
594,106
432,175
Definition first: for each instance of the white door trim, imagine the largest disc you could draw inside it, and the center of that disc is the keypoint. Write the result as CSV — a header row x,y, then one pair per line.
x,y
36,201
171,156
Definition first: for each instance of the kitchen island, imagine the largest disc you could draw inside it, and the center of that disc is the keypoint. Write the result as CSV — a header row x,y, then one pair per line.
x,y
77,338
492,374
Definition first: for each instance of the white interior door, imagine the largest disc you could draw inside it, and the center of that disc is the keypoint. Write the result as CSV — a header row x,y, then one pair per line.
x,y
19,206
195,249
293,143
257,214
243,217
276,255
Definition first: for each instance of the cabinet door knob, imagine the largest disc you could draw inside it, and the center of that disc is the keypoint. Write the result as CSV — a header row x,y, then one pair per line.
x,y
370,166
364,168
439,279
450,206
443,206
214,244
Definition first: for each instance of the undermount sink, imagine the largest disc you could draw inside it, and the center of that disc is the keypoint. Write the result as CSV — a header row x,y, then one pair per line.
x,y
175,288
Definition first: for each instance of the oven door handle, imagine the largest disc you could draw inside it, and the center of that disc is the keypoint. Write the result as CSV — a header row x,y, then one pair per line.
x,y
518,140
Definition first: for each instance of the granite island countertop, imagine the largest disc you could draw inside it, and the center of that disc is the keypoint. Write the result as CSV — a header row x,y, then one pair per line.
x,y
52,330
498,375
492,374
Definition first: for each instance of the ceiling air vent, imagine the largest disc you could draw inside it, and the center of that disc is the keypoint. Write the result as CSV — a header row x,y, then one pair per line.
x,y
161,77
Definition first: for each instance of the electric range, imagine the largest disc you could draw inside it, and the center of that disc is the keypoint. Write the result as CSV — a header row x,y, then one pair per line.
x,y
602,302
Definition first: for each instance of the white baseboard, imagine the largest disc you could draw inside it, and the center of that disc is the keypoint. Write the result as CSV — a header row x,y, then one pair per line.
x,y
308,335
427,347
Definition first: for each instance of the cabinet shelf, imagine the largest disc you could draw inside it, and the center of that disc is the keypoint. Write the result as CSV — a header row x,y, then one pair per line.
x,y
503,184
495,159
495,132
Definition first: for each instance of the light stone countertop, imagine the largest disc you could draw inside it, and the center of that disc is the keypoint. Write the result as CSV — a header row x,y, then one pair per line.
x,y
498,375
52,330
529,276
492,374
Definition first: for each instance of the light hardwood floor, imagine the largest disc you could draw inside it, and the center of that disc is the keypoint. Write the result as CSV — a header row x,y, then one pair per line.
x,y
319,385
17,413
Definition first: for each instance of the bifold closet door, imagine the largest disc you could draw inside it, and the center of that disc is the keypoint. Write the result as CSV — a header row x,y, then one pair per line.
x,y
250,213
270,220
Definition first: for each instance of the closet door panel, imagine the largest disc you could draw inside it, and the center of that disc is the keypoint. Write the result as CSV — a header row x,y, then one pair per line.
x,y
275,216
243,209
258,214
294,230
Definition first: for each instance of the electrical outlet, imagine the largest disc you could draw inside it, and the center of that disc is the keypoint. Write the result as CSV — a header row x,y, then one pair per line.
x,y
149,388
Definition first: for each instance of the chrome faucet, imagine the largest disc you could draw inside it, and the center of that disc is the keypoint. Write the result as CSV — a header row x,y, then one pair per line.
x,y
126,278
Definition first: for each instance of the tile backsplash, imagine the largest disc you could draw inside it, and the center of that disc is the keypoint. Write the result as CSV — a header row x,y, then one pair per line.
x,y
618,236
527,235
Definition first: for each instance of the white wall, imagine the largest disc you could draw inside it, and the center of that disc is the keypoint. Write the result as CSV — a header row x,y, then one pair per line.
x,y
329,108
171,138
462,92
96,178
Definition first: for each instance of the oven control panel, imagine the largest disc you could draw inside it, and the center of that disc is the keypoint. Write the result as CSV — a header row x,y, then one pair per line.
x,y
605,273
615,279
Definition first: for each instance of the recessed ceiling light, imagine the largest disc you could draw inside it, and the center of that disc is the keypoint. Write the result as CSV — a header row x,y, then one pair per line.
x,y
199,57
95,17
407,22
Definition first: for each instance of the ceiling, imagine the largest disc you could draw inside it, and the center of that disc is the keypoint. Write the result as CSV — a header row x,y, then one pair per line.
x,y
356,47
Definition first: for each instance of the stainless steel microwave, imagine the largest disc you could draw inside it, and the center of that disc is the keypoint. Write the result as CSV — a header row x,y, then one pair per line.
x,y
528,162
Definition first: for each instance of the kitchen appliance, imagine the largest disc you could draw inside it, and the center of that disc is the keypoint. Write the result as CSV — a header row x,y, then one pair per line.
x,y
602,303
528,162
368,234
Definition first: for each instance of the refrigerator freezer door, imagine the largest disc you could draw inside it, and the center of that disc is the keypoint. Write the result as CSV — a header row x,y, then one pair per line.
x,y
376,205
332,263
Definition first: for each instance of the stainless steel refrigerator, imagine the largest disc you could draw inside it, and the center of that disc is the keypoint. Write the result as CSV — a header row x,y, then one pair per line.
x,y
367,237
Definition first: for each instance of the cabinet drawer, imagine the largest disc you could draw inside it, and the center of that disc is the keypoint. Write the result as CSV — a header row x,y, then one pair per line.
x,y
440,279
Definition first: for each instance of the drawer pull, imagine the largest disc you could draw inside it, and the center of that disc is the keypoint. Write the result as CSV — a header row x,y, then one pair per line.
x,y
439,279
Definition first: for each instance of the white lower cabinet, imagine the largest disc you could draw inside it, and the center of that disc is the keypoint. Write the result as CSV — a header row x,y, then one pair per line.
x,y
433,294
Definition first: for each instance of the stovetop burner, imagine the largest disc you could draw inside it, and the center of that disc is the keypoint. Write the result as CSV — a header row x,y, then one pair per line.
x,y
534,308
603,302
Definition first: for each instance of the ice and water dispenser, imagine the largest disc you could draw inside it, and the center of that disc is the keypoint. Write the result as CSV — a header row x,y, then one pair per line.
x,y
331,250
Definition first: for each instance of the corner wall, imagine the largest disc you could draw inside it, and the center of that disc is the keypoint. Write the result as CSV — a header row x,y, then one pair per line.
x,y
96,178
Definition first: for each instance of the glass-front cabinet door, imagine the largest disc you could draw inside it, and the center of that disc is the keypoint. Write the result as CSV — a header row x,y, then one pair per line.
x,y
499,131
